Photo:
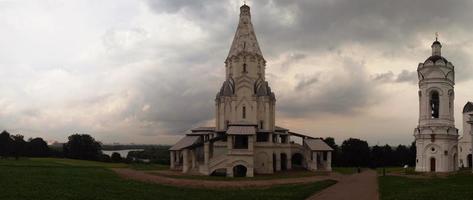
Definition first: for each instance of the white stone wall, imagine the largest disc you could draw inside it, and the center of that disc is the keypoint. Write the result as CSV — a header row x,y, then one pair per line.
x,y
465,142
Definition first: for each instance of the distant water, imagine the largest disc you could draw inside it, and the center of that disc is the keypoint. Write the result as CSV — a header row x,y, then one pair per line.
x,y
123,153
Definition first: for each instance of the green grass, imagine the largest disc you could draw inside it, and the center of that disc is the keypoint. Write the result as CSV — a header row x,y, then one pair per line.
x,y
78,163
44,179
455,187
345,170
279,175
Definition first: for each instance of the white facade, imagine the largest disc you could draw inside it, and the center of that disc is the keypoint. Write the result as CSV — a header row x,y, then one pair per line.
x,y
465,142
245,140
436,135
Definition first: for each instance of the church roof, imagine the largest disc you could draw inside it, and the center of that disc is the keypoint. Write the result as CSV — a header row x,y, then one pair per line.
x,y
468,107
317,145
245,37
203,129
185,142
434,58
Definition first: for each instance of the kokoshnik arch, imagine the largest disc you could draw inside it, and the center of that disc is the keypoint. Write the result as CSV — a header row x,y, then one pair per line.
x,y
245,140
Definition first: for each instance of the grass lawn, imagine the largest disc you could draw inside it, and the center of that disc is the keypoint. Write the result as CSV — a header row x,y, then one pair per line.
x,y
455,187
345,170
77,163
48,178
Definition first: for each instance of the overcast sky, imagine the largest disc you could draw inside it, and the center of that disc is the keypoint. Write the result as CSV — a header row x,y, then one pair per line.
x,y
147,71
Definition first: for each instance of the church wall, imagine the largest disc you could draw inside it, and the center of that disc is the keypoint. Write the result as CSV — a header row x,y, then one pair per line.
x,y
465,143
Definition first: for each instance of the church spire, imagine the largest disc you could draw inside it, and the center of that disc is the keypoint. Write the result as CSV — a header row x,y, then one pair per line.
x,y
245,37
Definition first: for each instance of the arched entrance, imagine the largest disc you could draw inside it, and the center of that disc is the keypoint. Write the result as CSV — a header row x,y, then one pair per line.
x,y
239,171
296,160
283,161
432,164
469,159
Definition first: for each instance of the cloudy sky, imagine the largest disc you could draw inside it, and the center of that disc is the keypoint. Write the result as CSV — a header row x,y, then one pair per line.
x,y
146,71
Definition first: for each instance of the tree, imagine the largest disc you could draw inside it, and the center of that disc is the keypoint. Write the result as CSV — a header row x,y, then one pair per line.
x,y
18,146
37,147
82,146
116,157
5,144
355,152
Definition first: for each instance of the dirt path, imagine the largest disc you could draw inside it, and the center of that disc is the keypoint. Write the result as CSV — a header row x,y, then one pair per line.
x,y
146,177
363,186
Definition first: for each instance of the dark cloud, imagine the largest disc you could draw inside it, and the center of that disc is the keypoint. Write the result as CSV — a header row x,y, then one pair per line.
x,y
404,76
347,91
384,77
306,81
407,76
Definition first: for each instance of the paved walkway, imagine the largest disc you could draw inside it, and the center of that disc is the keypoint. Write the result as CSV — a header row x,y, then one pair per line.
x,y
147,177
363,186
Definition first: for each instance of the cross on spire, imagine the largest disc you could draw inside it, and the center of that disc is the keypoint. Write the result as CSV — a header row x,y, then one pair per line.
x,y
436,36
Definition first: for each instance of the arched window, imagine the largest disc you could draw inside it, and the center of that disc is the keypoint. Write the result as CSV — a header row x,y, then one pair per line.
x,y
244,112
261,123
244,68
434,104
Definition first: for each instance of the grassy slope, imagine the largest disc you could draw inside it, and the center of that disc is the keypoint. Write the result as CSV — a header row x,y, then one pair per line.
x,y
71,179
455,187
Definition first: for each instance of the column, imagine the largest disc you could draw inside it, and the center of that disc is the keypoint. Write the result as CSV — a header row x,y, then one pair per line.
x,y
329,161
229,143
193,159
206,153
289,161
229,171
185,160
250,143
314,160
278,161
172,159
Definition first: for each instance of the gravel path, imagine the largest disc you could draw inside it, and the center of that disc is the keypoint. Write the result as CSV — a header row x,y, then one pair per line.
x,y
363,186
153,178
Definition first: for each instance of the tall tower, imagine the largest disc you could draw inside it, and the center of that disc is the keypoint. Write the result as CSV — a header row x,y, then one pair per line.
x,y
436,135
245,96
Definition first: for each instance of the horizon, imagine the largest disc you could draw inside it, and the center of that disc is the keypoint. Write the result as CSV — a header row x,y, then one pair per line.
x,y
127,73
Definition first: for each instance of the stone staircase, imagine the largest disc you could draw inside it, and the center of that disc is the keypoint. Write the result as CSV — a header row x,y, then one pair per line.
x,y
217,163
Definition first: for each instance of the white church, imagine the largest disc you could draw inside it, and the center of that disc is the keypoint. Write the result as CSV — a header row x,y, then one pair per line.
x,y
245,139
439,148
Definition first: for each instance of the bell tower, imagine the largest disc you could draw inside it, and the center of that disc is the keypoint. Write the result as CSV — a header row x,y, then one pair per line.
x,y
436,135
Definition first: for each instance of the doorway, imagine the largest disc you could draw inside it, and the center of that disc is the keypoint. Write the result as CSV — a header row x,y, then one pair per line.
x,y
432,164
239,171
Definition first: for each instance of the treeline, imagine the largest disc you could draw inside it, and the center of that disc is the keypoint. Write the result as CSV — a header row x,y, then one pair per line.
x,y
156,154
16,146
357,153
78,146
